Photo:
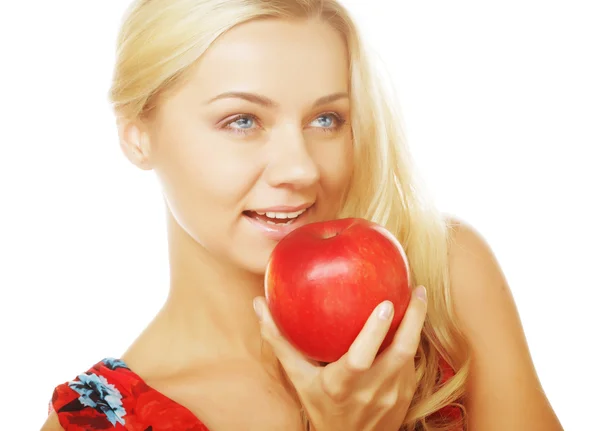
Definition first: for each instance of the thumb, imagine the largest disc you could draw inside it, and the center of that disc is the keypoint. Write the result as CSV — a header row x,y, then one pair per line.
x,y
299,369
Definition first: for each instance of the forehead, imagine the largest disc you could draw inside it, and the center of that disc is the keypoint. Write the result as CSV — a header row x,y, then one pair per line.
x,y
288,61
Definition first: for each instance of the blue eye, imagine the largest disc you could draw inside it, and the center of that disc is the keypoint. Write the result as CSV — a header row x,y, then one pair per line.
x,y
246,123
243,122
325,121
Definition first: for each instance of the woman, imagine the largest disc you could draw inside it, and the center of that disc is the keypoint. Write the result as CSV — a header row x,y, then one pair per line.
x,y
258,117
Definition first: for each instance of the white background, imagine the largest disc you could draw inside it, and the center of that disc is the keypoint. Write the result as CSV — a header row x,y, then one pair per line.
x,y
501,100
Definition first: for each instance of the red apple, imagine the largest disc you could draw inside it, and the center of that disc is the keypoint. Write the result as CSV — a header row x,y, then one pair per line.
x,y
324,279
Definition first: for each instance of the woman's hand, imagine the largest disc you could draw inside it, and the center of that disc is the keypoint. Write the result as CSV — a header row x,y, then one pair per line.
x,y
362,391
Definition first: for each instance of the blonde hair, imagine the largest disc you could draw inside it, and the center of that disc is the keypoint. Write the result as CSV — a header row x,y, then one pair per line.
x,y
160,41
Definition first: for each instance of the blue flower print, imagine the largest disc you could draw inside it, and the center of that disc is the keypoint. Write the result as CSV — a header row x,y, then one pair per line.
x,y
95,392
113,364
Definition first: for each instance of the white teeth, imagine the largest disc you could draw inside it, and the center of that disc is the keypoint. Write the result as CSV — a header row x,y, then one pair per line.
x,y
282,215
278,224
283,218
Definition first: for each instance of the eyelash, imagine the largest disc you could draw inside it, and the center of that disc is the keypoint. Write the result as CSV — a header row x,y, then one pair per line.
x,y
338,119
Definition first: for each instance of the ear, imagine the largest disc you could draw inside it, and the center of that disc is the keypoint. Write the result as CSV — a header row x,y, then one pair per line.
x,y
135,142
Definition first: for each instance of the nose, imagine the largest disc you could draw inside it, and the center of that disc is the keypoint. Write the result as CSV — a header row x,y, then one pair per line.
x,y
290,162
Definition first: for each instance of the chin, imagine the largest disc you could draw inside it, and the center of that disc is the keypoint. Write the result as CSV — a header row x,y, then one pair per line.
x,y
254,262
257,269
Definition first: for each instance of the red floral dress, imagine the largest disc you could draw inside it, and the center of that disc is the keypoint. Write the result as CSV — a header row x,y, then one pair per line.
x,y
112,397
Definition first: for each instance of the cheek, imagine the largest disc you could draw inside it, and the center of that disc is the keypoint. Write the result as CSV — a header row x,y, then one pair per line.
x,y
204,178
336,163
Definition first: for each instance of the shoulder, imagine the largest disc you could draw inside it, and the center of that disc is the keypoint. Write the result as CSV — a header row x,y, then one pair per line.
x,y
481,296
480,292
501,363
478,286
93,400
472,262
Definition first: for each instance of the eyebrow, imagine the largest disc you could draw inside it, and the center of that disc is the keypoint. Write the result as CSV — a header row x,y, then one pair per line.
x,y
268,103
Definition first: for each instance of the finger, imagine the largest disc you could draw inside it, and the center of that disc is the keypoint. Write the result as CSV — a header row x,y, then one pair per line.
x,y
295,364
362,352
408,336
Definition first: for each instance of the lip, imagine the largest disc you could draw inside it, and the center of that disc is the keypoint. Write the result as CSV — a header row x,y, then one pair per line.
x,y
276,232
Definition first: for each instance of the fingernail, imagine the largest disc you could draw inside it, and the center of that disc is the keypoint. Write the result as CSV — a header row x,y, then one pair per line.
x,y
421,293
257,308
385,310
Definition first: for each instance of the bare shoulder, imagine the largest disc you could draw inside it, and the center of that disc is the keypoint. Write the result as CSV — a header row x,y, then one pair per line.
x,y
503,377
52,423
477,282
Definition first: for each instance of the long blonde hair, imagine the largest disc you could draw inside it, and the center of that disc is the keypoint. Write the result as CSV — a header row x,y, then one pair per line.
x,y
159,42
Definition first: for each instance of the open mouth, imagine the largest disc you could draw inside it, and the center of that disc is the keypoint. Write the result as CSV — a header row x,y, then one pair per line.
x,y
276,218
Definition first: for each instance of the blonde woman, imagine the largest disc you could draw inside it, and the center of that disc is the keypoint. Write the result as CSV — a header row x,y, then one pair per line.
x,y
259,116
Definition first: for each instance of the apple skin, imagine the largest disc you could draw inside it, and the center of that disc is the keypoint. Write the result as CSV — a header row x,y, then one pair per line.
x,y
324,279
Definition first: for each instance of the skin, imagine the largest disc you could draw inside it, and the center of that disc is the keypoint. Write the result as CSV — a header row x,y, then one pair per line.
x,y
206,349
503,392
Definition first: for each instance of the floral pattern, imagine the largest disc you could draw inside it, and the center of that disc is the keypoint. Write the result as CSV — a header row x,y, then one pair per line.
x,y
95,392
111,397
113,364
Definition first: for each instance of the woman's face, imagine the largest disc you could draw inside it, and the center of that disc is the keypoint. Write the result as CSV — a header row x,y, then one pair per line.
x,y
258,141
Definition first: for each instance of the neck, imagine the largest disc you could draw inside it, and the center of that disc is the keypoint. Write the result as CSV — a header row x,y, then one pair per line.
x,y
210,302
